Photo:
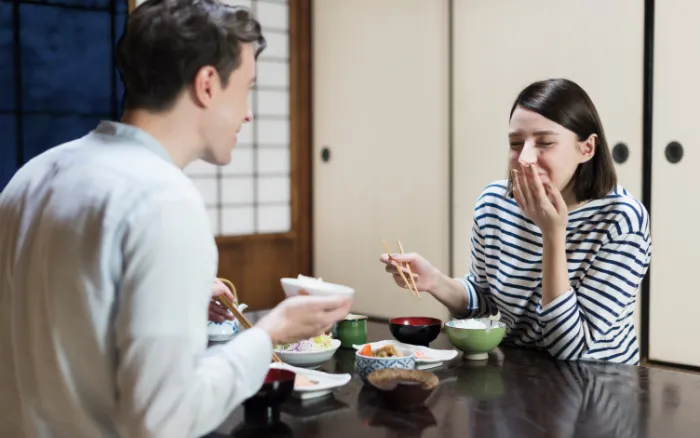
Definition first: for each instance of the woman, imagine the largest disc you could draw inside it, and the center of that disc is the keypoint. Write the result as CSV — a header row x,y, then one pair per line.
x,y
559,248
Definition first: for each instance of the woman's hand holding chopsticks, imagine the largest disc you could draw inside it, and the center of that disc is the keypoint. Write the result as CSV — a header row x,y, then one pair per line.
x,y
424,274
450,292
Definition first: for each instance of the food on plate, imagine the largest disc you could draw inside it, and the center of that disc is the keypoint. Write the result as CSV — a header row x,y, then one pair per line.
x,y
302,381
319,343
385,351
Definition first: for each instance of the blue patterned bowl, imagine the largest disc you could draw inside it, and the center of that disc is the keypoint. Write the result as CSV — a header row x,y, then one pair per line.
x,y
226,330
364,365
223,331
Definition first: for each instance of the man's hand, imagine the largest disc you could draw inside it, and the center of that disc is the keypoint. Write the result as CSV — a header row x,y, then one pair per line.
x,y
217,312
303,317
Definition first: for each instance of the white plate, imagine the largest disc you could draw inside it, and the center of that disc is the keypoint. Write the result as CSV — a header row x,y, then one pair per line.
x,y
309,359
325,385
432,355
312,286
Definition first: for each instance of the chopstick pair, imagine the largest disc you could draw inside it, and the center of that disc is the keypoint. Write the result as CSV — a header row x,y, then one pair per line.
x,y
414,289
223,299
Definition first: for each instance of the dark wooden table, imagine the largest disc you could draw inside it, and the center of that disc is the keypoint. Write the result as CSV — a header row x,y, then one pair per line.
x,y
516,393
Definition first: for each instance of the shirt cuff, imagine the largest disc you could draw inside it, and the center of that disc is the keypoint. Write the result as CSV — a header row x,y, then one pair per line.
x,y
561,305
472,297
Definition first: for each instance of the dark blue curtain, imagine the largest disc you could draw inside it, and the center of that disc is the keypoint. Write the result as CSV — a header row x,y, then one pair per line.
x,y
57,74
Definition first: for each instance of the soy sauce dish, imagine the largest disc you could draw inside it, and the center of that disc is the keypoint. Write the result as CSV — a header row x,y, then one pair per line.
x,y
415,330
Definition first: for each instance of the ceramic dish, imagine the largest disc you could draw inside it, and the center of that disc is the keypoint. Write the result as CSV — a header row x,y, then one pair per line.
x,y
364,365
313,286
415,330
308,359
226,330
263,408
321,383
222,331
425,357
403,389
475,337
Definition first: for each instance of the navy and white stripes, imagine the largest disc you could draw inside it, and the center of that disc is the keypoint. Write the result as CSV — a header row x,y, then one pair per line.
x,y
608,248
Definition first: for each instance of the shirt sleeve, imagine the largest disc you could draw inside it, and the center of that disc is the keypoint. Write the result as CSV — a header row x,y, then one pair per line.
x,y
168,382
587,321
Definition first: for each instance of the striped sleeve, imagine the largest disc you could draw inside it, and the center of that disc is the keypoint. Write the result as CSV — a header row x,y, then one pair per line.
x,y
476,284
587,321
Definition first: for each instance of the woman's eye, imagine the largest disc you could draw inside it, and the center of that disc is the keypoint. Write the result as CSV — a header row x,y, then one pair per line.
x,y
515,145
545,143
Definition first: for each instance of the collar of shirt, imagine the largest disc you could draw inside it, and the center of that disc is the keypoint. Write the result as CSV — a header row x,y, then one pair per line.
x,y
136,135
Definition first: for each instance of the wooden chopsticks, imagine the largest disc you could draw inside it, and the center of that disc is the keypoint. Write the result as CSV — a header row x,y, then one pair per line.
x,y
223,299
414,289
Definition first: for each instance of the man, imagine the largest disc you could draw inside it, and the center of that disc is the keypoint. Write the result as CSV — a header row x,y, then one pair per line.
x,y
107,258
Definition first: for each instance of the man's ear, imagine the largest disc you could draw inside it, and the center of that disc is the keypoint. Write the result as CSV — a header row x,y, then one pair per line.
x,y
587,147
206,83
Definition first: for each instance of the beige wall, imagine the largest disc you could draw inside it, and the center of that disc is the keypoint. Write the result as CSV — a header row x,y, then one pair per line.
x,y
381,107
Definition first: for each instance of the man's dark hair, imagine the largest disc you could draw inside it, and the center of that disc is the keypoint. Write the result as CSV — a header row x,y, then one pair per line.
x,y
564,102
166,42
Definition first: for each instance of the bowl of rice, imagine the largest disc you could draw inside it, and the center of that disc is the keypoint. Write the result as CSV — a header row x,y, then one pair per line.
x,y
308,353
475,337
303,285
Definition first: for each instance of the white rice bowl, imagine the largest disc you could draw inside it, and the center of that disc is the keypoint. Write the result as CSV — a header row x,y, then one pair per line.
x,y
314,286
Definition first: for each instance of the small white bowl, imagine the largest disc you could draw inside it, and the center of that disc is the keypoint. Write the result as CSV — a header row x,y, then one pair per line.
x,y
308,359
292,287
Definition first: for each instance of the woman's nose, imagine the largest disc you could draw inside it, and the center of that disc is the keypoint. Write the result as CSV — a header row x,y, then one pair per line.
x,y
528,155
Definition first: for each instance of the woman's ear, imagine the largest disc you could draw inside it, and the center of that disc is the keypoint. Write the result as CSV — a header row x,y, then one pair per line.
x,y
587,147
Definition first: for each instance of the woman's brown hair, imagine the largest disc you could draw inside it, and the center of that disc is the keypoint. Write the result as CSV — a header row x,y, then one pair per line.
x,y
564,102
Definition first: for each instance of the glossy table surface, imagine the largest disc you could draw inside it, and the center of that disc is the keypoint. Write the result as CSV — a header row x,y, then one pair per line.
x,y
516,393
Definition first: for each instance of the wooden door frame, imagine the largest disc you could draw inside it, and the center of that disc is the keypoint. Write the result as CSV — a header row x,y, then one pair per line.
x,y
301,128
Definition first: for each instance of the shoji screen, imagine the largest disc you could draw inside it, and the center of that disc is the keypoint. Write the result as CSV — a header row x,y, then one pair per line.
x,y
252,194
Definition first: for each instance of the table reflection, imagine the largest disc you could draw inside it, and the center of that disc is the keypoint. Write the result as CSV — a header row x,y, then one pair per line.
x,y
533,398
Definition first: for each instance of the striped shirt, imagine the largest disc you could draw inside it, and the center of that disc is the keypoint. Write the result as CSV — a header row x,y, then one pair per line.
x,y
608,247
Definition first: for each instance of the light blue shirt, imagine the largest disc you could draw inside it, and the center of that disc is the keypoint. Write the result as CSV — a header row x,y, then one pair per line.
x,y
106,265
